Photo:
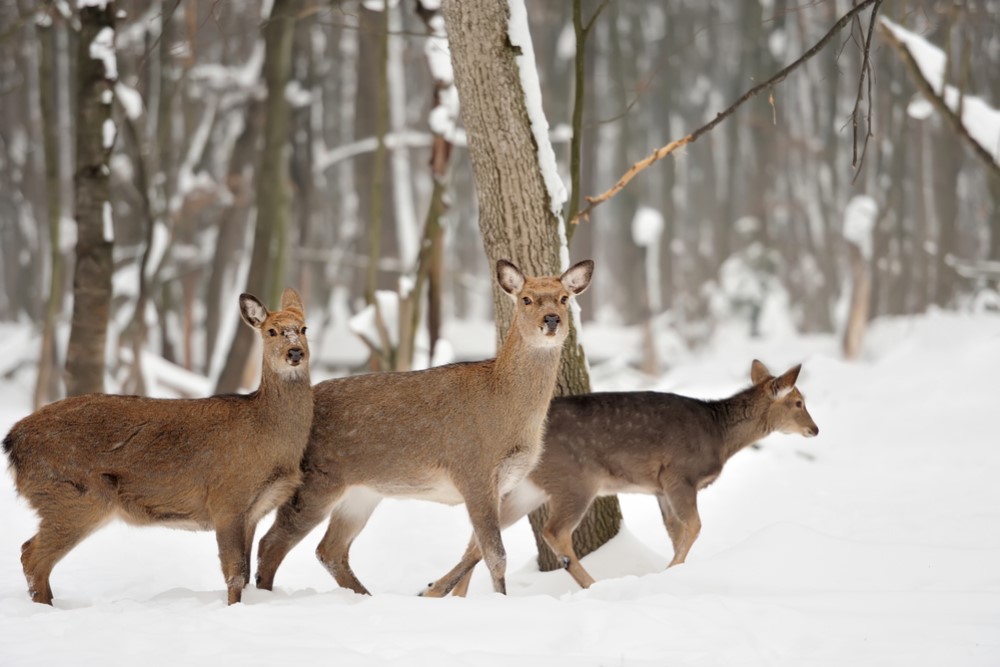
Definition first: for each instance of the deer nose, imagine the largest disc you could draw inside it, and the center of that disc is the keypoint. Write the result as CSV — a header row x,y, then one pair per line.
x,y
551,321
812,431
295,355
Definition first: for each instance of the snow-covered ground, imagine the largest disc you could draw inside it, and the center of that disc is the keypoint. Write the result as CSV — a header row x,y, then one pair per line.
x,y
876,543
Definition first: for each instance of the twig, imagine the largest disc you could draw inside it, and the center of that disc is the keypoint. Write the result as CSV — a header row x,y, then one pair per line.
x,y
866,68
660,153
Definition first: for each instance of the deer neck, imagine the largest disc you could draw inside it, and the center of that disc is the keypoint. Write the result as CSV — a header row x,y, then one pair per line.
x,y
526,373
283,393
743,420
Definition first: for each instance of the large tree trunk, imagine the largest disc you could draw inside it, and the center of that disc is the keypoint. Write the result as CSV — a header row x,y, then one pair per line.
x,y
92,275
514,205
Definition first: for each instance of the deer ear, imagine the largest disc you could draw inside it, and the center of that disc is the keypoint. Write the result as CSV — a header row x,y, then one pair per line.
x,y
782,386
759,372
510,277
252,310
290,300
577,277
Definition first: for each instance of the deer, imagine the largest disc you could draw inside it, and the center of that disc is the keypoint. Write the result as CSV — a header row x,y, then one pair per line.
x,y
662,444
217,463
467,433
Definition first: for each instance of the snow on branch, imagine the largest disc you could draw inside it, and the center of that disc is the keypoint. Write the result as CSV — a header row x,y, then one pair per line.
x,y
974,120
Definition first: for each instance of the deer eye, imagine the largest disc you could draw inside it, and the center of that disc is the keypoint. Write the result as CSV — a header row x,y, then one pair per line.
x,y
272,333
302,331
798,404
527,301
564,299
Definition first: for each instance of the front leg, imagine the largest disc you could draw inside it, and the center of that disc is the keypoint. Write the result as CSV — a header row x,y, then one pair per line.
x,y
234,555
483,506
679,508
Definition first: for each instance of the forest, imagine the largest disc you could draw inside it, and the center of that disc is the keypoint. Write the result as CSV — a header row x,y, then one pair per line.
x,y
355,179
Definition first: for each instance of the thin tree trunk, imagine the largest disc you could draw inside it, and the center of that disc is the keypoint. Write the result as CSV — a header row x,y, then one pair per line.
x,y
95,236
268,261
47,386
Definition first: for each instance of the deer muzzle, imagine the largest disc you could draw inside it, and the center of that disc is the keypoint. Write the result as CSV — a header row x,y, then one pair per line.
x,y
294,356
551,323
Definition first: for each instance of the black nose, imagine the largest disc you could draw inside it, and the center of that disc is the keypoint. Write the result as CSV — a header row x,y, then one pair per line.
x,y
295,355
551,320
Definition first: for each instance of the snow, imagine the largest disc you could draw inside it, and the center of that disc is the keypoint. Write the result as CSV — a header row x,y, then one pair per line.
x,y
107,219
108,133
100,4
859,223
103,49
872,544
130,99
520,36
979,118
647,226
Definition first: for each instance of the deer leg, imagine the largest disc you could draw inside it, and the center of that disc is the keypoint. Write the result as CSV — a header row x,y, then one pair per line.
x,y
565,514
232,539
348,519
56,536
458,575
298,515
680,516
484,512
461,589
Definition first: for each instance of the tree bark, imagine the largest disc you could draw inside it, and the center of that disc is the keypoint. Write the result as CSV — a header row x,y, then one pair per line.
x,y
514,206
92,274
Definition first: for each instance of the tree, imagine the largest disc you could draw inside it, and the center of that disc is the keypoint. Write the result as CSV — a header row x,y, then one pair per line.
x,y
95,137
518,210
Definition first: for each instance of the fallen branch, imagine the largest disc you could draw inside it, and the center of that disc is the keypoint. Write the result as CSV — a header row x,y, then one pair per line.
x,y
659,154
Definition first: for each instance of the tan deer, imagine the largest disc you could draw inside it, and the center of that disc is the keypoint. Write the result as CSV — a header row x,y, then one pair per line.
x,y
217,463
663,444
467,432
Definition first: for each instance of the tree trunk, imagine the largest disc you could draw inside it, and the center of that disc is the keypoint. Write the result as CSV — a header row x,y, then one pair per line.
x,y
515,218
47,386
267,263
92,275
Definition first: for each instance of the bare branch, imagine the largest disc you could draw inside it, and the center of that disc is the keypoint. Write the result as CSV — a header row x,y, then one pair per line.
x,y
660,153
866,68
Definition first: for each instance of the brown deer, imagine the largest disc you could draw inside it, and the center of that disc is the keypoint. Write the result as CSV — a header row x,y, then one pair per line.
x,y
663,444
466,432
217,463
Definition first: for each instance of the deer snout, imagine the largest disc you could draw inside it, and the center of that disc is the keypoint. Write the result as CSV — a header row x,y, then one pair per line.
x,y
810,431
295,356
551,321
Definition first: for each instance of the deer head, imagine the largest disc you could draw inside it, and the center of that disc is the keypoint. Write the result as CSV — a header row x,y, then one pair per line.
x,y
541,305
787,412
283,332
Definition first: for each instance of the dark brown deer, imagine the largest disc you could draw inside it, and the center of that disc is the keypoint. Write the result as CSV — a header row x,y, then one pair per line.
x,y
663,444
467,432
217,463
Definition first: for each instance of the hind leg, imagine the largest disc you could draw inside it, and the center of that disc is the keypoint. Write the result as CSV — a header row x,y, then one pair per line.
x,y
307,507
347,520
57,535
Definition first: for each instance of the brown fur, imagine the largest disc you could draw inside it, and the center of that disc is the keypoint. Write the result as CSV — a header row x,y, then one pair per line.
x,y
216,463
663,444
467,432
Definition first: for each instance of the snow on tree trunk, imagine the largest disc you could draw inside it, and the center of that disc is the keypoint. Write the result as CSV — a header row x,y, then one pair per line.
x,y
520,194
97,71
